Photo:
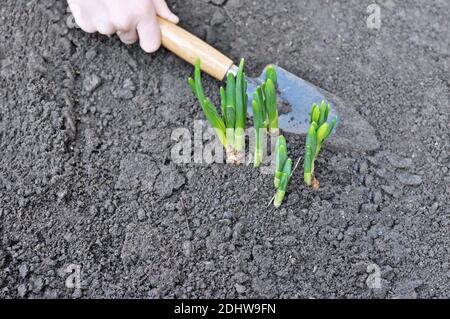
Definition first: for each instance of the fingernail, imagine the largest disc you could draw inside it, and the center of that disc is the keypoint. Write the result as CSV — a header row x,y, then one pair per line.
x,y
174,18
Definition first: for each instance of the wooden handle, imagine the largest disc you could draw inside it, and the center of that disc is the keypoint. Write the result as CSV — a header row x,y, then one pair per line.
x,y
188,47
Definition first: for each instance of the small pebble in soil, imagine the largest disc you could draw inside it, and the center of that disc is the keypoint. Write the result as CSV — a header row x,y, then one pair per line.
x,y
61,194
126,92
398,161
37,285
217,18
169,180
409,179
228,215
240,288
381,173
241,277
368,180
187,248
209,265
23,270
189,234
377,197
36,63
363,168
390,189
237,231
91,54
369,208
77,294
21,290
91,83
141,215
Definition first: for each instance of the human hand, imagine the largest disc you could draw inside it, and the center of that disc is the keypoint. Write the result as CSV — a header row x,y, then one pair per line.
x,y
129,19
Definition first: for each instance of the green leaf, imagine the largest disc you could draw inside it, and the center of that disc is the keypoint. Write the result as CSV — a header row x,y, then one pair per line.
x,y
284,181
231,90
244,94
281,153
311,139
327,111
259,138
322,118
279,196
307,159
322,133
285,176
240,115
230,116
271,73
315,113
198,83
212,115
307,165
257,113
287,167
260,99
271,104
280,159
208,107
258,128
223,101
215,120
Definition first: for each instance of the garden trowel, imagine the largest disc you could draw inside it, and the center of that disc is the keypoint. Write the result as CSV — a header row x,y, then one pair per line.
x,y
296,96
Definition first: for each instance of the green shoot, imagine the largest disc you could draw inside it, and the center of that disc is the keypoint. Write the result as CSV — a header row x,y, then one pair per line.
x,y
283,170
318,133
265,113
280,159
230,126
271,73
258,124
241,108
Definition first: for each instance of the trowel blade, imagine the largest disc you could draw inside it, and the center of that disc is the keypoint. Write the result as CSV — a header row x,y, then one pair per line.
x,y
295,99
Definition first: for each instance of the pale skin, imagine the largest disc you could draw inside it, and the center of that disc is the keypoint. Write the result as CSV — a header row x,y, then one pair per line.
x,y
131,20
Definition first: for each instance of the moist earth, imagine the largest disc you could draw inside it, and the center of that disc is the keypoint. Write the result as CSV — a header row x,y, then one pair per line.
x,y
87,177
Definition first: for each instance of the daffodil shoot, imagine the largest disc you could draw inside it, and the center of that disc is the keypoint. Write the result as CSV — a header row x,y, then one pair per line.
x,y
283,170
318,133
230,124
265,113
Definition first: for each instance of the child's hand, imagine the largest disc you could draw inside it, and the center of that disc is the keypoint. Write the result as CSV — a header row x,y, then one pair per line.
x,y
130,19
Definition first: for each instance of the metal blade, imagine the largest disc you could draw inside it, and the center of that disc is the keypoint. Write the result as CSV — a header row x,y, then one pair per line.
x,y
296,97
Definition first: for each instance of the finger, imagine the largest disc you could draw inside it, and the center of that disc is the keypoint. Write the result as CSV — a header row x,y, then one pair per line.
x,y
164,12
80,19
123,20
105,27
85,26
128,37
149,34
102,20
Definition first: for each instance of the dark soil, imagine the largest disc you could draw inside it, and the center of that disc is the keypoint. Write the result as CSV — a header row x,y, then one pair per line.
x,y
86,175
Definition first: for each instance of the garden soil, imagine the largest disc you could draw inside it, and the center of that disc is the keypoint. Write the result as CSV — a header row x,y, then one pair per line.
x,y
87,180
